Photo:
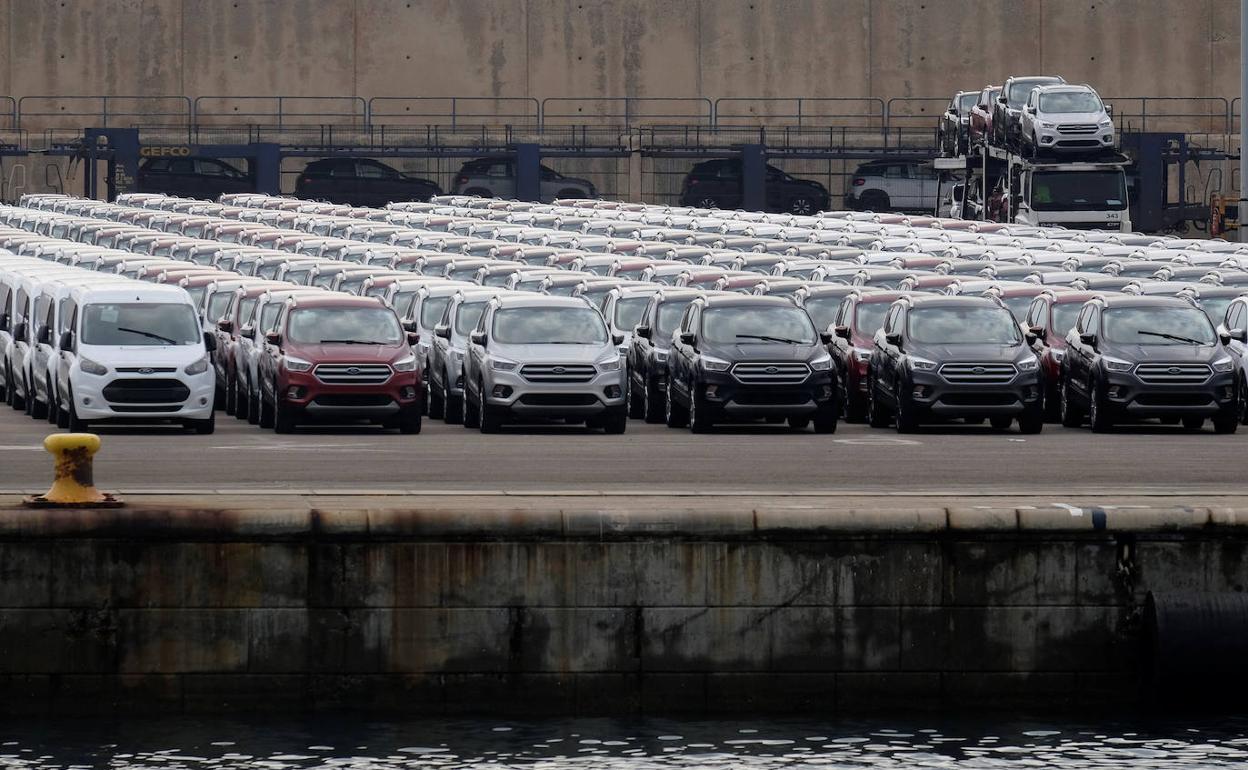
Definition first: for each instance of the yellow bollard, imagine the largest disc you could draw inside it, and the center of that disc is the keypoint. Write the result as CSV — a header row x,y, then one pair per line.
x,y
73,486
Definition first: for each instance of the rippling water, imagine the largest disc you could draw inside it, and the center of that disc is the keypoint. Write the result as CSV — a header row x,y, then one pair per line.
x,y
620,745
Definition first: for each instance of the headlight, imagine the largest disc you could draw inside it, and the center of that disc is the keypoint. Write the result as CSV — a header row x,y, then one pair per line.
x,y
821,364
406,365
1117,365
1029,364
500,365
1223,365
714,364
296,364
1107,124
91,367
608,364
921,364
1047,125
199,367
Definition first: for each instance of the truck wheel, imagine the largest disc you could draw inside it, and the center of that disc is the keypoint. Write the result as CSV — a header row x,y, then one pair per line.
x,y
676,416
490,418
615,422
283,420
1070,415
825,418
409,420
1226,421
699,412
654,403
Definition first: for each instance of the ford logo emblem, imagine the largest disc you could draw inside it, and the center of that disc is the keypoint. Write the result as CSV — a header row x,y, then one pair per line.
x,y
353,370
146,370
771,370
1174,370
978,370
558,370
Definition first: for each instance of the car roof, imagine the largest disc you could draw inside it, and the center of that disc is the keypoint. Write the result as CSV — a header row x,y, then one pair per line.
x,y
333,299
734,300
947,300
528,299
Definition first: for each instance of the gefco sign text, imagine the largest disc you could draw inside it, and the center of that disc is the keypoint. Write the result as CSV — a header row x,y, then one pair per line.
x,y
177,151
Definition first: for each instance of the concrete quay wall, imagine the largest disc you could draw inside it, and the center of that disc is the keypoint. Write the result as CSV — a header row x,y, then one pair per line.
x,y
444,609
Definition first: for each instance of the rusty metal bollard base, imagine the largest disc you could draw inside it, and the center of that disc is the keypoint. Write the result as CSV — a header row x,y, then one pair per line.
x,y
40,501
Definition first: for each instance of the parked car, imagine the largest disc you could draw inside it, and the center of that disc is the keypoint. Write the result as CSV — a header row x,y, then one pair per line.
x,y
941,357
859,316
649,348
1065,120
1233,330
444,370
893,185
953,135
717,184
1049,319
1133,357
546,357
495,177
981,115
192,177
1009,106
361,182
737,358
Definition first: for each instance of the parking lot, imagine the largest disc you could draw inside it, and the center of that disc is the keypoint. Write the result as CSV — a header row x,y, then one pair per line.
x,y
951,460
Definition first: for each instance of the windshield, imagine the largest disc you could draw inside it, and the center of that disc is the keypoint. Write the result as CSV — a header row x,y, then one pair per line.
x,y
299,276
218,304
463,273
1078,190
352,285
268,316
467,316
139,324
549,325
967,102
632,273
1065,315
758,324
1069,101
823,310
197,294
245,310
669,318
870,317
1020,90
431,311
365,325
1018,306
963,325
1158,326
1215,308
628,311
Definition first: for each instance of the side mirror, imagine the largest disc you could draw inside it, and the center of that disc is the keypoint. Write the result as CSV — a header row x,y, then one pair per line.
x,y
1109,110
247,331
642,332
67,341
893,339
225,325
478,338
44,335
413,338
1239,335
411,326
688,338
825,338
617,339
841,331
443,331
210,343
4,322
19,331
1039,332
273,338
1002,100
1088,339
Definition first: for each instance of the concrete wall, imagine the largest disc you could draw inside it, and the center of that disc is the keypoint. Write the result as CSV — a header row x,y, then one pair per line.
x,y
593,48
538,610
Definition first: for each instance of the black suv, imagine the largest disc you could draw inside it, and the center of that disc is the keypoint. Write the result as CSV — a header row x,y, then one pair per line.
x,y
738,358
361,182
192,177
648,350
939,357
717,184
1132,357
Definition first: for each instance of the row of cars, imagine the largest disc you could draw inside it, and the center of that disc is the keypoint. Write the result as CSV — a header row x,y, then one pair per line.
x,y
694,349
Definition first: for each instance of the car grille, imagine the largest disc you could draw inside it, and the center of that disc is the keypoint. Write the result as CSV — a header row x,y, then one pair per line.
x,y
771,374
146,392
978,374
978,399
771,398
1077,128
558,399
1173,374
558,373
146,370
1173,399
352,374
352,399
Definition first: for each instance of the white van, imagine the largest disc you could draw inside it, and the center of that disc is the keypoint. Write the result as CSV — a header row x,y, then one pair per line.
x,y
134,352
21,327
8,297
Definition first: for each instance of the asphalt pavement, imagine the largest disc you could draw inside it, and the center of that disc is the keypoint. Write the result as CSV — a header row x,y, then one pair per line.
x,y
954,460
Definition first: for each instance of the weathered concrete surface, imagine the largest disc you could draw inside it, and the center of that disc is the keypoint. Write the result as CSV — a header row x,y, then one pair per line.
x,y
589,605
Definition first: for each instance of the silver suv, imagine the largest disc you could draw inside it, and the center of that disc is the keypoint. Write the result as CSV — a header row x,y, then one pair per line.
x,y
1065,119
496,178
547,357
444,369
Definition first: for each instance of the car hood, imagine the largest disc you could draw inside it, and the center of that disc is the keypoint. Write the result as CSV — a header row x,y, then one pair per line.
x,y
1072,117
1194,354
349,354
764,351
977,352
563,354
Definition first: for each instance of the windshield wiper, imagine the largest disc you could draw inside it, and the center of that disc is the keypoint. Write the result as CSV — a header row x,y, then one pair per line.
x,y
1174,337
152,335
351,342
766,338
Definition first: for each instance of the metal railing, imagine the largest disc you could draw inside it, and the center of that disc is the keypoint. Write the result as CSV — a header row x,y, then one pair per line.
x,y
8,112
914,112
282,110
454,110
102,111
1203,114
849,111
627,111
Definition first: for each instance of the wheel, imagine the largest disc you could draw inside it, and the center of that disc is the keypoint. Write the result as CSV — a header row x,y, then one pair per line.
x,y
877,416
452,406
266,418
1000,422
676,416
35,408
1226,421
875,200
799,423
74,422
1052,408
855,406
204,427
1070,415
1032,149
700,417
437,405
802,206
615,422
242,401
253,407
283,420
636,402
1098,411
1193,423
1243,402
231,396
219,398
706,203
472,415
905,418
1031,421
489,418
54,406
571,193
653,402
409,420
825,418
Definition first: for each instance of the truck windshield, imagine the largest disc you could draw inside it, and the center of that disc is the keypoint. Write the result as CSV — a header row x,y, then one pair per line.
x,y
1079,190
964,325
1158,326
751,324
1070,101
139,324
549,326
359,325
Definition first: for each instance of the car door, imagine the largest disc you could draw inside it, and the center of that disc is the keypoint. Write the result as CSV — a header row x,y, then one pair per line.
x,y
681,358
839,348
640,350
1236,320
890,354
1079,355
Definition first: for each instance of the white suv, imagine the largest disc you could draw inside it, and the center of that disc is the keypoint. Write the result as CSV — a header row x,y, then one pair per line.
x,y
1065,119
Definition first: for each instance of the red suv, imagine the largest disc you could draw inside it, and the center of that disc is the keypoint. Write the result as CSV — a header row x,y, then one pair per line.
x,y
339,358
1050,317
981,115
860,316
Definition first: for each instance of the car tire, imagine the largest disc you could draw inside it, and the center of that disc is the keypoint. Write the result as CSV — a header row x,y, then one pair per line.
x,y
802,205
409,420
54,406
1242,402
700,418
826,418
706,203
1031,421
242,401
35,408
875,200
1226,421
655,403
571,192
1001,422
437,406
1069,414
453,407
231,396
204,427
615,423
219,398
904,417
855,409
799,423
471,410
265,420
1099,416
636,402
1193,424
490,419
74,423
877,416
283,420
675,415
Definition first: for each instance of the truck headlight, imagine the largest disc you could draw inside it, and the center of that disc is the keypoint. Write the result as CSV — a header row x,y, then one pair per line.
x,y
608,364
1116,364
499,365
406,365
1223,365
921,364
1029,364
296,364
198,367
821,364
90,367
714,364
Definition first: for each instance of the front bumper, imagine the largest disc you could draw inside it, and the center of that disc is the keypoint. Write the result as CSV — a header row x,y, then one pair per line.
x,y
1078,140
724,392
931,392
511,391
304,392
1126,394
165,396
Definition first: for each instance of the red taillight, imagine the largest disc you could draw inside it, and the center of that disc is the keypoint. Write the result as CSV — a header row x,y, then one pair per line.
x,y
859,181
